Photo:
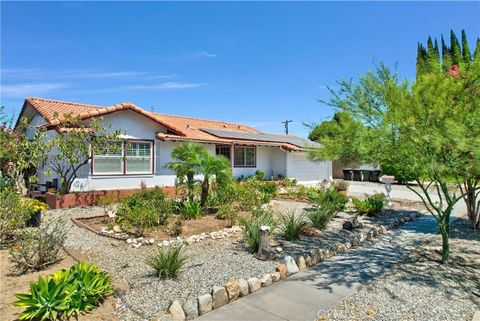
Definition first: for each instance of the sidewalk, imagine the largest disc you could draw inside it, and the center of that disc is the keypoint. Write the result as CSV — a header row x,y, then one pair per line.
x,y
302,296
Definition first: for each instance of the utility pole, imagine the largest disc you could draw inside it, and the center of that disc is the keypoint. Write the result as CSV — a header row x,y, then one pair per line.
x,y
286,125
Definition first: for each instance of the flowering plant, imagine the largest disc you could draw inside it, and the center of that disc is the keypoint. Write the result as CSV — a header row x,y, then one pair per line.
x,y
34,205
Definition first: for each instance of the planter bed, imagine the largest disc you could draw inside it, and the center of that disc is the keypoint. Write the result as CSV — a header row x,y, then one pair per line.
x,y
81,199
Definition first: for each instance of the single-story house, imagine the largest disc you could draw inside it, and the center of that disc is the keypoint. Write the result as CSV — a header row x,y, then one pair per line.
x,y
152,136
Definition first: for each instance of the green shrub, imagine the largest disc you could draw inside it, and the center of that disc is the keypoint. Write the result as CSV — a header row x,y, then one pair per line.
x,y
320,216
144,210
38,247
191,210
167,262
289,181
269,190
14,215
371,205
248,195
228,212
340,185
67,293
292,225
328,197
252,226
259,175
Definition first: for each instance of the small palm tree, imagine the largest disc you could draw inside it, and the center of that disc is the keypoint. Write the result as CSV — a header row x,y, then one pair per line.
x,y
185,163
211,167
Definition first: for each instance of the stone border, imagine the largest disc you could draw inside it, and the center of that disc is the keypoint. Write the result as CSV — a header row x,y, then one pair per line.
x,y
237,288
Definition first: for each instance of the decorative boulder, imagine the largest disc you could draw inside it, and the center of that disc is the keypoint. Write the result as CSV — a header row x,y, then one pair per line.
x,y
308,261
190,307
243,287
176,311
254,285
282,269
301,263
204,304
275,276
220,296
233,289
289,262
266,280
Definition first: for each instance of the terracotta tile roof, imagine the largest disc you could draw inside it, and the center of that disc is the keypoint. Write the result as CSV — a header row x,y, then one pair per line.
x,y
181,127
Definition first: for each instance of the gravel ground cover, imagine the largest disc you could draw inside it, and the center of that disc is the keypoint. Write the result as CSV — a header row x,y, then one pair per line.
x,y
420,288
334,233
144,296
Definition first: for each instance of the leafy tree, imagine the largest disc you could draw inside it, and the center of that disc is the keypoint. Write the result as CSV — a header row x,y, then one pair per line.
x,y
184,166
421,127
18,154
467,56
340,137
71,149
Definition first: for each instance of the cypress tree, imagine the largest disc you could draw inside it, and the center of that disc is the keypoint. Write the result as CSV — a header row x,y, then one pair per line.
x,y
467,56
455,49
476,55
421,60
446,57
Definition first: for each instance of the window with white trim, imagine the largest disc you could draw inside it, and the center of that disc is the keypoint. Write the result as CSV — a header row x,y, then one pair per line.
x,y
109,160
129,157
138,157
244,156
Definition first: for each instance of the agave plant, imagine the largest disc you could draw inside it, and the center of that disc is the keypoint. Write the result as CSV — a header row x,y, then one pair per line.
x,y
47,300
167,262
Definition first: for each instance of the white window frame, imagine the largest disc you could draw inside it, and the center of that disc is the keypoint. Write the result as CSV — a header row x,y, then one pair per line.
x,y
150,171
121,156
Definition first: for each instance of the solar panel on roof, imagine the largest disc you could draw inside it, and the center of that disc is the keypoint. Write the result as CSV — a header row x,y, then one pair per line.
x,y
290,139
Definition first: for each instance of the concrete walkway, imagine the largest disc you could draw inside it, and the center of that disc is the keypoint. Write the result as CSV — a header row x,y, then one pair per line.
x,y
306,294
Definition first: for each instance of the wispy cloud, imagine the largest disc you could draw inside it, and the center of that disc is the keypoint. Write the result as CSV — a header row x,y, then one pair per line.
x,y
167,86
36,73
200,55
30,89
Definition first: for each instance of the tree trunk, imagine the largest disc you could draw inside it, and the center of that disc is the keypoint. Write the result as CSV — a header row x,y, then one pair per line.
x,y
473,206
205,188
445,231
190,185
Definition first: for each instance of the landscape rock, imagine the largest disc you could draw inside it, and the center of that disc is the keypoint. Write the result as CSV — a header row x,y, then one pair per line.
x,y
190,307
220,296
117,229
204,304
301,263
254,285
315,255
289,262
308,261
275,276
176,311
266,280
244,290
282,270
233,289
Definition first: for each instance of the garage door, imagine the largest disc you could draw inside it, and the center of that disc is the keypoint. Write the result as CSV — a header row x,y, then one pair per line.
x,y
305,170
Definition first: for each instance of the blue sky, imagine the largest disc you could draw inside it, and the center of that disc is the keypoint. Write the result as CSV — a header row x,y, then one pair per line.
x,y
254,63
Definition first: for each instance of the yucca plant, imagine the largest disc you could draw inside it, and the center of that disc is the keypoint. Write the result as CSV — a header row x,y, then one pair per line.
x,y
320,216
167,262
292,225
